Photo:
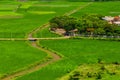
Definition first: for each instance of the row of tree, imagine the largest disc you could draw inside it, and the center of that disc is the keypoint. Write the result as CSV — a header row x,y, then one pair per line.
x,y
89,24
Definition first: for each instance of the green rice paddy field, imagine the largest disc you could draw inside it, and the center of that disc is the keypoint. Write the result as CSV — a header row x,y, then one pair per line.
x,y
15,55
76,52
17,22
103,8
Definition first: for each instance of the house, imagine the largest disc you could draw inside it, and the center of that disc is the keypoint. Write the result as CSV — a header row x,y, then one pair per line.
x,y
117,22
112,20
73,32
108,18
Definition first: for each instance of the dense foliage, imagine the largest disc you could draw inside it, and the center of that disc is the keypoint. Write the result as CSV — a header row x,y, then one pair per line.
x,y
98,72
89,24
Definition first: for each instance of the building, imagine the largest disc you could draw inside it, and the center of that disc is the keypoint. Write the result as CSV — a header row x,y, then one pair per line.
x,y
112,20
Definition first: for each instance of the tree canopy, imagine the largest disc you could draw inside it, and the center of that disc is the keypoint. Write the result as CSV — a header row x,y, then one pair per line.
x,y
90,24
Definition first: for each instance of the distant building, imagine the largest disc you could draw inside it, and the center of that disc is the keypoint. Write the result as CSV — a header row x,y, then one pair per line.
x,y
112,20
108,18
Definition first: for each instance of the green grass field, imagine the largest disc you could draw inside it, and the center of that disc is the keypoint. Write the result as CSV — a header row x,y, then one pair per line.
x,y
103,8
15,55
33,16
13,26
75,52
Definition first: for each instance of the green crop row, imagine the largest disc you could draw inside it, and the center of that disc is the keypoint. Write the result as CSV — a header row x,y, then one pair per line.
x,y
75,52
102,8
15,55
31,16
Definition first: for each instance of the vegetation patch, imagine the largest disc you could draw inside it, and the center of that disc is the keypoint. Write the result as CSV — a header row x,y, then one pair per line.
x,y
88,24
94,72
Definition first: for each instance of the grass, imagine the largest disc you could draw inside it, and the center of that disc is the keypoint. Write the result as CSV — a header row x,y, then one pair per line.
x,y
95,71
45,33
15,55
103,8
21,26
75,52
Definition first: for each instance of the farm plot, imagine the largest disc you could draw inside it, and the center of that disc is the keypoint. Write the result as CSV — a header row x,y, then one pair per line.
x,y
33,17
8,11
12,27
103,8
76,52
7,7
16,55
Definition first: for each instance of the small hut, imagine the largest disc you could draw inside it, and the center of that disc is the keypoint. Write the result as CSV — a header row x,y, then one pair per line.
x,y
90,30
73,32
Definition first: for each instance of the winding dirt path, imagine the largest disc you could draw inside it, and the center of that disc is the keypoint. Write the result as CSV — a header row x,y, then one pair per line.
x,y
54,58
35,67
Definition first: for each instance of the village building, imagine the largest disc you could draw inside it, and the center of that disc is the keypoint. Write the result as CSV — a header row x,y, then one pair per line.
x,y
112,20
73,32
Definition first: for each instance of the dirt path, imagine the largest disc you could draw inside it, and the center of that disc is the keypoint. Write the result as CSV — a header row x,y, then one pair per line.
x,y
77,9
56,38
13,39
55,57
36,67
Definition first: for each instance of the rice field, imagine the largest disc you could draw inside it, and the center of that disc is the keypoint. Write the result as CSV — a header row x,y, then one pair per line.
x,y
30,16
76,52
16,55
102,8
17,22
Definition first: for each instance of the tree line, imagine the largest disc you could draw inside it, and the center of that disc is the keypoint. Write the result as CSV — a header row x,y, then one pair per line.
x,y
88,24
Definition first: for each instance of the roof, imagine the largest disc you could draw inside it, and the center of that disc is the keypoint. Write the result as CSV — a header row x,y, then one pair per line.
x,y
117,22
108,18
